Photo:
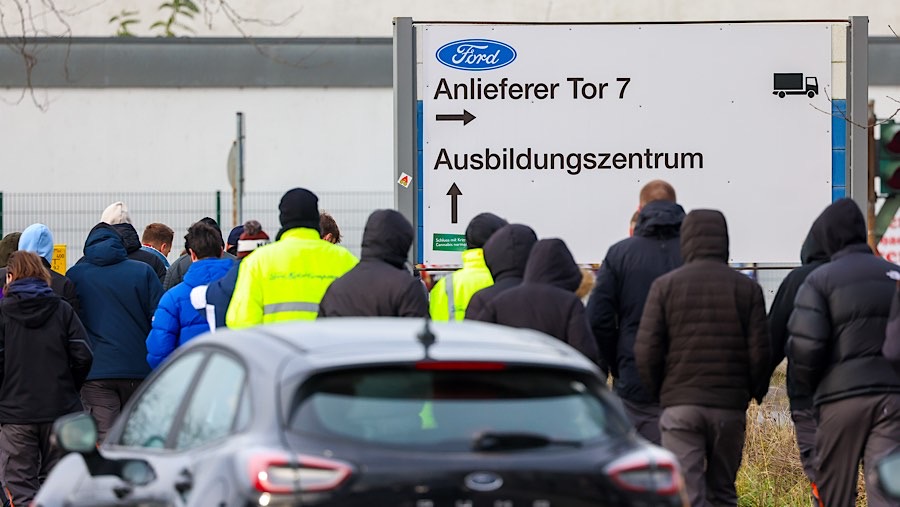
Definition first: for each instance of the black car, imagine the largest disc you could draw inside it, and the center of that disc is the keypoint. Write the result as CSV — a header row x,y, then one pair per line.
x,y
368,412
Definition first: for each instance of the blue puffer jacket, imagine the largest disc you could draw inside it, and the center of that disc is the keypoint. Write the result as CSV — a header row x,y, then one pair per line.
x,y
118,297
176,320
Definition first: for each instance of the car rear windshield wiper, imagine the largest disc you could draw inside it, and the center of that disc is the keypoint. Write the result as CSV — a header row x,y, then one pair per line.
x,y
489,441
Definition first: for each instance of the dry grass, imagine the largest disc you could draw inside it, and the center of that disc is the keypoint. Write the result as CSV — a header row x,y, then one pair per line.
x,y
771,474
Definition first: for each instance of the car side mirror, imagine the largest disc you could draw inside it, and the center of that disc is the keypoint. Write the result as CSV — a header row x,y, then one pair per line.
x,y
889,475
76,433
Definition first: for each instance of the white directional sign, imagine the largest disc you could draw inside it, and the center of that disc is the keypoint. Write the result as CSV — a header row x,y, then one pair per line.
x,y
559,126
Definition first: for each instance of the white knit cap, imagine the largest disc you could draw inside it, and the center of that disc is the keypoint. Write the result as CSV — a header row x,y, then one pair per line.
x,y
116,213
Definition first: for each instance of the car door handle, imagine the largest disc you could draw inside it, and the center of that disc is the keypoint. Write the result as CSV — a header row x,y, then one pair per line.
x,y
184,482
122,491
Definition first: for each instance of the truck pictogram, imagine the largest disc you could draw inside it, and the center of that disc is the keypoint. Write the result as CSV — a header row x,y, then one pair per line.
x,y
792,83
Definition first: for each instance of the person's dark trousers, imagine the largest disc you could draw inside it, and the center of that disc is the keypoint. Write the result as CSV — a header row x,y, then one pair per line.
x,y
805,426
645,419
866,427
105,398
26,455
708,443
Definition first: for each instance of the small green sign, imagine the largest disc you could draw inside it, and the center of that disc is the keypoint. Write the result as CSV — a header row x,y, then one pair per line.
x,y
450,242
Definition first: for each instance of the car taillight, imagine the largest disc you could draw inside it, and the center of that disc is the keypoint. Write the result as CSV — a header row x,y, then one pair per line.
x,y
460,366
276,473
647,472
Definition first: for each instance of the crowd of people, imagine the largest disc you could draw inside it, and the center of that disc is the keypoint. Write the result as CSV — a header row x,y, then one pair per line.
x,y
685,339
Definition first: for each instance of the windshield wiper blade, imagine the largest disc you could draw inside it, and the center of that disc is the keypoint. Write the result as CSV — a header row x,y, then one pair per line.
x,y
489,441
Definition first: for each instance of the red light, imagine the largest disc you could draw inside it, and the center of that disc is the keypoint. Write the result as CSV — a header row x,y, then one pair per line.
x,y
459,366
274,473
642,474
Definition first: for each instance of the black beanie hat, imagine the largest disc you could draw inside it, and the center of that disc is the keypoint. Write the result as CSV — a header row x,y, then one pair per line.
x,y
480,229
298,208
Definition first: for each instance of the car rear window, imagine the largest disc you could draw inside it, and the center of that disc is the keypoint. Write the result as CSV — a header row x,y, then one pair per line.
x,y
452,410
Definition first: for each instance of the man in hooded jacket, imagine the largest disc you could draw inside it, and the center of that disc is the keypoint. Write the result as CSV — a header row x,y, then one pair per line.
x,y
380,285
545,300
802,412
837,331
37,238
451,294
118,297
702,348
505,254
617,301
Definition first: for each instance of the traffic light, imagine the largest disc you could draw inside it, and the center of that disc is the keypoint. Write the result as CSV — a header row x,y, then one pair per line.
x,y
889,157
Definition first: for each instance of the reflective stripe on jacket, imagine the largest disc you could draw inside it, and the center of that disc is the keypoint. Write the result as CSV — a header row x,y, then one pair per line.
x,y
454,291
286,280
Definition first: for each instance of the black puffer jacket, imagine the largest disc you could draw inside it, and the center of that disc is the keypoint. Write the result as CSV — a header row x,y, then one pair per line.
x,y
506,255
838,326
703,338
617,301
44,355
811,256
546,300
133,247
380,285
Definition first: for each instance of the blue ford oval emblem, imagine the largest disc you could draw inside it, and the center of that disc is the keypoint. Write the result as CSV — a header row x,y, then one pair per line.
x,y
476,54
483,481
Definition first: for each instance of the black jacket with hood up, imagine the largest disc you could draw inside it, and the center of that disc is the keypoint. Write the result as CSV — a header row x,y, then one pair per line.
x,y
505,254
133,247
703,338
811,256
380,285
545,300
44,355
617,301
838,325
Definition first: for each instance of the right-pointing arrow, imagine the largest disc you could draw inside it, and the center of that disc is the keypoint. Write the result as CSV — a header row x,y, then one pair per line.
x,y
465,117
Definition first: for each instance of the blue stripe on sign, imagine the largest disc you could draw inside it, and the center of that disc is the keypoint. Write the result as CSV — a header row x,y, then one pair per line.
x,y
838,149
420,239
838,167
838,124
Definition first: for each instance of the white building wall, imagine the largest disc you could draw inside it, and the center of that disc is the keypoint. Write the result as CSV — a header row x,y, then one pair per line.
x,y
361,18
178,140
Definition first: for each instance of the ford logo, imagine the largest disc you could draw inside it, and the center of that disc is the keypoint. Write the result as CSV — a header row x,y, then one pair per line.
x,y
483,481
476,54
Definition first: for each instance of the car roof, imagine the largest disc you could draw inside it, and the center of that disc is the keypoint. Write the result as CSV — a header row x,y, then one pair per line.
x,y
343,342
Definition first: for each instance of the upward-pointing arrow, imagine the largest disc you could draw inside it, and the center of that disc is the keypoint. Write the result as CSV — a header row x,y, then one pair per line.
x,y
454,193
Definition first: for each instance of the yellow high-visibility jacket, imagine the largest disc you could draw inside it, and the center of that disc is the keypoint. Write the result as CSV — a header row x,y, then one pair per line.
x,y
286,280
451,295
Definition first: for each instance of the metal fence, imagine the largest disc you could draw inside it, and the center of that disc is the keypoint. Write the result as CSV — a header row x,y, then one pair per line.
x,y
70,216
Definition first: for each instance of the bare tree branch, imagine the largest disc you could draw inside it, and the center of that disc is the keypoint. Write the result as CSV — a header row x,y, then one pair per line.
x,y
842,114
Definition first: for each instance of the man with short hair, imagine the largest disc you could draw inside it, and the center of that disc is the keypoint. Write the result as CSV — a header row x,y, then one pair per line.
x,y
176,320
285,280
617,301
157,239
450,296
176,272
329,228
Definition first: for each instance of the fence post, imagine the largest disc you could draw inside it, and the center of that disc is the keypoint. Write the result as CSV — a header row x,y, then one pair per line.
x,y
219,207
1,214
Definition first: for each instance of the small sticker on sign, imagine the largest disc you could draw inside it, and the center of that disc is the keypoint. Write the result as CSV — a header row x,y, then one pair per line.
x,y
404,180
